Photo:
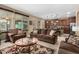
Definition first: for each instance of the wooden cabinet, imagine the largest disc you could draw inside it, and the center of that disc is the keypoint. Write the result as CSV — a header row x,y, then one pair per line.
x,y
65,22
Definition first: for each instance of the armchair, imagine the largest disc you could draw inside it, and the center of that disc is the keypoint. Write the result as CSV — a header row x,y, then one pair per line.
x,y
70,45
68,48
15,34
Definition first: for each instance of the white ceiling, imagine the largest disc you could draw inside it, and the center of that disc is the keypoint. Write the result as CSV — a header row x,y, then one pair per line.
x,y
47,11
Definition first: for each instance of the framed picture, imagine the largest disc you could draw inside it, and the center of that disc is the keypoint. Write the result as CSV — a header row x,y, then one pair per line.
x,y
30,22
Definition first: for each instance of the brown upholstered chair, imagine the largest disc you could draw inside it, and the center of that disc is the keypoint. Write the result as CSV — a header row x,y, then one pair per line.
x,y
10,33
68,48
70,45
15,34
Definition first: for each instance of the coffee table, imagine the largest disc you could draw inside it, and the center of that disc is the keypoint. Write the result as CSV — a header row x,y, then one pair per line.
x,y
24,42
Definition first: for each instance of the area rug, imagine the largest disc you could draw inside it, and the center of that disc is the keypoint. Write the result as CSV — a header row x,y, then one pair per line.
x,y
34,49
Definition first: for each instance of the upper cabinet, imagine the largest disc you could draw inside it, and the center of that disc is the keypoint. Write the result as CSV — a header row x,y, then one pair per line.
x,y
60,22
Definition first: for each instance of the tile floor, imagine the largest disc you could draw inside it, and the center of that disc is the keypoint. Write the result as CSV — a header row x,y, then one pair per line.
x,y
55,47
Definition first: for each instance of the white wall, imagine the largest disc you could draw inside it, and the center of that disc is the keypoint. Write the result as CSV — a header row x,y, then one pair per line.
x,y
35,23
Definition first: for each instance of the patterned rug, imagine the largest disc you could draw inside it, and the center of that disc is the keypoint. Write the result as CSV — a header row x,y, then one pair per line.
x,y
34,49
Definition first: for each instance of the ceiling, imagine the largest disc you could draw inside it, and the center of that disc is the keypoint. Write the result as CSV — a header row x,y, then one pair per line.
x,y
47,11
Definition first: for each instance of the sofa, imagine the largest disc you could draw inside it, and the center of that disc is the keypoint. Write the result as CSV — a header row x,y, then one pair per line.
x,y
50,36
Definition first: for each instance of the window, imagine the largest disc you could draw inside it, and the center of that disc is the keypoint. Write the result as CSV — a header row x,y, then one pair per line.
x,y
4,25
21,24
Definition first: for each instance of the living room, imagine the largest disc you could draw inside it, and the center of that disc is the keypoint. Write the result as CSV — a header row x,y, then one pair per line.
x,y
39,29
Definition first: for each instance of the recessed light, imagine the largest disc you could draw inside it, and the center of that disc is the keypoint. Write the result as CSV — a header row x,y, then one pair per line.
x,y
68,14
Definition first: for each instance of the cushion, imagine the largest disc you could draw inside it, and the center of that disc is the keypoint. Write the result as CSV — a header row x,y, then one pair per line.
x,y
10,34
35,31
73,40
20,31
51,32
